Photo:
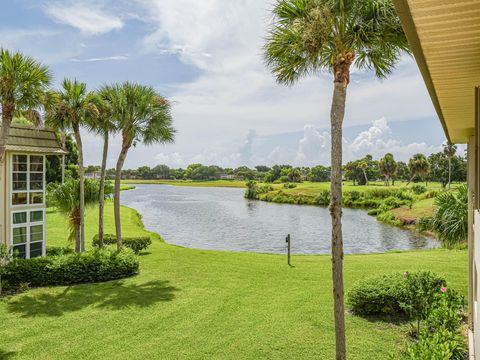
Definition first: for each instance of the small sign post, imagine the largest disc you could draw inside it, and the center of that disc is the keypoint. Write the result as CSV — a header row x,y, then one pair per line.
x,y
287,240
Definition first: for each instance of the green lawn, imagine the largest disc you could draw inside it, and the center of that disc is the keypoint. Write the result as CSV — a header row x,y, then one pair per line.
x,y
193,304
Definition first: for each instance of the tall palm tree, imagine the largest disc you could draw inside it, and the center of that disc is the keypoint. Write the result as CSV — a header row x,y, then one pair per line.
x,y
449,150
23,90
104,126
142,115
388,167
66,198
74,107
308,36
419,167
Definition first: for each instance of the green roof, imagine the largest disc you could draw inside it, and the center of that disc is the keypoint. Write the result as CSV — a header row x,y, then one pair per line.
x,y
33,140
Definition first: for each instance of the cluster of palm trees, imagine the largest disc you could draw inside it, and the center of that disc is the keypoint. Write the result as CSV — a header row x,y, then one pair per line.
x,y
135,111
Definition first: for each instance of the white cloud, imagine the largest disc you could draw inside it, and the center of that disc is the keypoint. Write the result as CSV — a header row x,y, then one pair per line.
x,y
86,17
106,58
314,147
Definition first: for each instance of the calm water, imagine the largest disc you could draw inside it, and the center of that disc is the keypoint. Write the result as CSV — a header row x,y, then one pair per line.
x,y
221,219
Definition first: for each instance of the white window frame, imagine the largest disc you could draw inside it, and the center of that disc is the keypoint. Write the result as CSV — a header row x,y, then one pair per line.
x,y
28,191
28,224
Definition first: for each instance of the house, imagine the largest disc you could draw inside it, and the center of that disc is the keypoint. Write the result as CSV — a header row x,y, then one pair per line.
x,y
22,189
445,40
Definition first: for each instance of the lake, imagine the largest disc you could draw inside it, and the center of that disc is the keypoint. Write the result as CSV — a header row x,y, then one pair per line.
x,y
221,219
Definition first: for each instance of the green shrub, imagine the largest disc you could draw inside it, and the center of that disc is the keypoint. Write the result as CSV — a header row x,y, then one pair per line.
x,y
439,345
419,189
388,217
283,179
57,250
323,199
252,190
289,185
93,266
392,294
137,244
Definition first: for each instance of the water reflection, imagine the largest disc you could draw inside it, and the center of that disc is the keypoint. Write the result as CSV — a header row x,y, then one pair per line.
x,y
221,219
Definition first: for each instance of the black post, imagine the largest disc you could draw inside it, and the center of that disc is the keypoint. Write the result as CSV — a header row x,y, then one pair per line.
x,y
287,240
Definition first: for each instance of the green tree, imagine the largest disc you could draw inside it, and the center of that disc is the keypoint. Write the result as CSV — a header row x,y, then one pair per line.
x,y
419,168
308,36
74,107
66,198
319,173
24,91
295,175
449,150
388,167
141,115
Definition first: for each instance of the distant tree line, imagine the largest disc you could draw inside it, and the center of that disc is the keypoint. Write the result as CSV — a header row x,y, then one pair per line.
x,y
443,167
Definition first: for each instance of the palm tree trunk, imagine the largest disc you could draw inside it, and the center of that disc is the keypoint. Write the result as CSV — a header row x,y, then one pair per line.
x,y
78,139
7,115
336,116
116,197
365,175
101,199
449,171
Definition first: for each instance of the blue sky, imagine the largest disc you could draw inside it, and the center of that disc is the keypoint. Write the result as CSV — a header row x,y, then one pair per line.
x,y
206,57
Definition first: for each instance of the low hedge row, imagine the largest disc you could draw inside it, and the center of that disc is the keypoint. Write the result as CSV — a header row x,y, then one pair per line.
x,y
391,294
93,266
137,244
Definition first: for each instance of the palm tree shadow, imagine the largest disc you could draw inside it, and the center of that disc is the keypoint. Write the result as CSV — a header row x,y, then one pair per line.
x,y
4,355
112,296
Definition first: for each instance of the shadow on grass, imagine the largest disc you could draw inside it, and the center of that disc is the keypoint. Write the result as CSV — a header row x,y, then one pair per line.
x,y
398,319
111,296
4,355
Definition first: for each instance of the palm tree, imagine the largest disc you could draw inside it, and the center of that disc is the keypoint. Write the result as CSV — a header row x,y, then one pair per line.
x,y
308,36
388,167
363,165
23,90
104,126
74,107
419,167
141,115
449,150
66,198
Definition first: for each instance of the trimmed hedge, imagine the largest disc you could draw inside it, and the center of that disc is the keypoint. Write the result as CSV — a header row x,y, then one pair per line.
x,y
393,294
93,266
57,250
137,244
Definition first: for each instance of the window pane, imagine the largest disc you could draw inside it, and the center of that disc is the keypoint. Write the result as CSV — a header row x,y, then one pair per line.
x,y
36,233
20,159
19,176
20,218
36,216
36,159
19,167
19,198
36,185
20,250
19,235
36,198
19,185
36,167
36,249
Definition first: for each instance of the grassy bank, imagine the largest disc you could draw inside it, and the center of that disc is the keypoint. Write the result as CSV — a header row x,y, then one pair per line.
x,y
194,304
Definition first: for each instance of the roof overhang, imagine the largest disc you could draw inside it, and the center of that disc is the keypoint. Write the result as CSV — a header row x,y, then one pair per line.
x,y
27,139
444,36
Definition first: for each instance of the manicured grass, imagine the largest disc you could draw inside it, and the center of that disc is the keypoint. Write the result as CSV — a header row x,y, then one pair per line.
x,y
213,183
419,209
124,187
194,304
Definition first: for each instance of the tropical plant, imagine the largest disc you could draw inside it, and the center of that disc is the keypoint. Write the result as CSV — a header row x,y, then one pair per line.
x,y
23,91
104,126
449,219
74,106
141,115
449,150
419,167
308,36
388,167
66,198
